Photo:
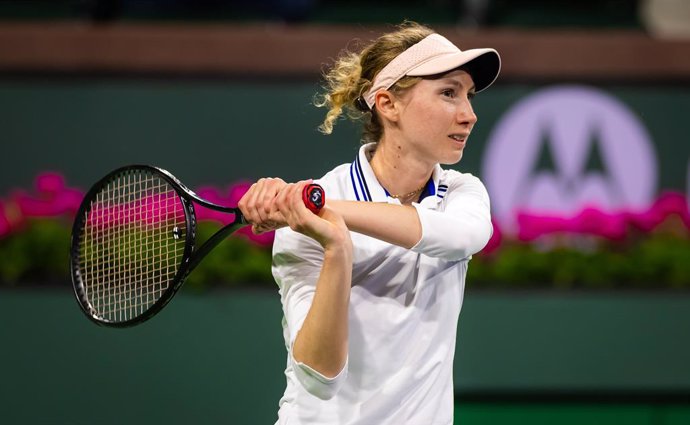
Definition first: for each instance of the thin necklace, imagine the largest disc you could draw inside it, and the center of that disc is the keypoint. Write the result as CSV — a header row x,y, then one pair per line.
x,y
407,195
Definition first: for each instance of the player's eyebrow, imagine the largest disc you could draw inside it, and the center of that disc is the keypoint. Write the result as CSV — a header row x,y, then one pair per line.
x,y
456,82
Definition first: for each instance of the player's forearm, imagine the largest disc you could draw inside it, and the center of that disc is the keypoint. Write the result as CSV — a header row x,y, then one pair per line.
x,y
395,224
322,342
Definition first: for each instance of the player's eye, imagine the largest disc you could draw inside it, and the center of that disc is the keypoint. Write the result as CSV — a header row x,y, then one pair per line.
x,y
448,93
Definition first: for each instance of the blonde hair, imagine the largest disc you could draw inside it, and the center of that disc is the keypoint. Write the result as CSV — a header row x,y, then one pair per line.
x,y
353,74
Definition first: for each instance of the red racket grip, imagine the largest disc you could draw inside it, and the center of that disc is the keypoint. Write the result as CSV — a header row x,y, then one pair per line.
x,y
314,197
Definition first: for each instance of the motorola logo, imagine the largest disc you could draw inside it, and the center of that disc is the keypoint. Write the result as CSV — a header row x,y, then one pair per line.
x,y
565,148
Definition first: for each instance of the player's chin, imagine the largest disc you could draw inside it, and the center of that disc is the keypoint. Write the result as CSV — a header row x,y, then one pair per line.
x,y
452,157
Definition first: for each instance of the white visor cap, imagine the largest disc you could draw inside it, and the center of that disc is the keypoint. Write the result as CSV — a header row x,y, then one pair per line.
x,y
434,55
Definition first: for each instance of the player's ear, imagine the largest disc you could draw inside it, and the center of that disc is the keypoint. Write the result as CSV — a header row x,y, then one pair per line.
x,y
385,103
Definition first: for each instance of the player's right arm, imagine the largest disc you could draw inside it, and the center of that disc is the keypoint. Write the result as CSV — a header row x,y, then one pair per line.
x,y
318,312
321,342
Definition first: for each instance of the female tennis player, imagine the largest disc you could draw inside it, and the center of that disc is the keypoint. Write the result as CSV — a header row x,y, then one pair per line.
x,y
372,287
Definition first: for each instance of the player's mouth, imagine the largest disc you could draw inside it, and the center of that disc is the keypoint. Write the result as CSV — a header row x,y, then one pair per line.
x,y
459,138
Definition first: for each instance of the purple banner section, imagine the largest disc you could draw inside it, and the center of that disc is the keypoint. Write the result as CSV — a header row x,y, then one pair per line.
x,y
563,149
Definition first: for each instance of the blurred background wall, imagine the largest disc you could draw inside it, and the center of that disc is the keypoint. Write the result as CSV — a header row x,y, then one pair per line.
x,y
576,312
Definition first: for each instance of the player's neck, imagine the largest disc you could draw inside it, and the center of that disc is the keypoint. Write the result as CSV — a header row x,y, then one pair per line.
x,y
399,171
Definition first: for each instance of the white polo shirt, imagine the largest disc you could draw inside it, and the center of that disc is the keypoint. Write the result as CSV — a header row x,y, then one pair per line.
x,y
404,306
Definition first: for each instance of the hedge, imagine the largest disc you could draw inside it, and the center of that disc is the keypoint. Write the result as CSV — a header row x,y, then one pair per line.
x,y
39,254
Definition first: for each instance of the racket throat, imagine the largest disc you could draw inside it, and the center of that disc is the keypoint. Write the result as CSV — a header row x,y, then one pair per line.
x,y
211,243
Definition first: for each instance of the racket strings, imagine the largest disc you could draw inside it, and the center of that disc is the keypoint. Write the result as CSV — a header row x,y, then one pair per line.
x,y
132,244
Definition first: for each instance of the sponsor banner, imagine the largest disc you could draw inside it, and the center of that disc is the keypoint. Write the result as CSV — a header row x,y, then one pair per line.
x,y
574,159
558,158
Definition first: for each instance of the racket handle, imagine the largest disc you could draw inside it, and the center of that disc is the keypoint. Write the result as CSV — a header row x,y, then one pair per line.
x,y
314,197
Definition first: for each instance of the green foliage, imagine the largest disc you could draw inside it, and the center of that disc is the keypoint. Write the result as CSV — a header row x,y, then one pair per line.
x,y
658,260
39,253
235,261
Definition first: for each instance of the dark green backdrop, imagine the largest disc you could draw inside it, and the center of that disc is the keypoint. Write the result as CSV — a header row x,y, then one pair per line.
x,y
218,358
216,132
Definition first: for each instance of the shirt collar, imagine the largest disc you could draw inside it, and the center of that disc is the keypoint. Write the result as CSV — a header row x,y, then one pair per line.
x,y
367,188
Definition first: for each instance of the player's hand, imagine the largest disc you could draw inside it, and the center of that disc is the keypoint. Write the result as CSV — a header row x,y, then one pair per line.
x,y
257,205
328,227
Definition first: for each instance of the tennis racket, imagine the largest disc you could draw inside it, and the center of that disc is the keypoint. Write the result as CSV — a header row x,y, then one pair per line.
x,y
133,242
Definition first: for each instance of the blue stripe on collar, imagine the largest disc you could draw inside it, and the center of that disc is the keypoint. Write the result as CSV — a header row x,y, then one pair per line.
x,y
442,189
365,189
352,177
431,187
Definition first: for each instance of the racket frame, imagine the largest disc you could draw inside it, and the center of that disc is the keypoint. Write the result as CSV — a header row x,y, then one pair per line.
x,y
190,258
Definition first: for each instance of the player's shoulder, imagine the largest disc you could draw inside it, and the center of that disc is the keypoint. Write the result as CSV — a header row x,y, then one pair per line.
x,y
335,182
455,179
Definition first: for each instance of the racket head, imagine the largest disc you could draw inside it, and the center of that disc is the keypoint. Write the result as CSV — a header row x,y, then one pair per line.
x,y
131,243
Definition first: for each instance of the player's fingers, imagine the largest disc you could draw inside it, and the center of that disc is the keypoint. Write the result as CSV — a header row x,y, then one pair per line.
x,y
269,193
280,203
247,203
299,216
258,229
258,198
265,197
276,185
296,199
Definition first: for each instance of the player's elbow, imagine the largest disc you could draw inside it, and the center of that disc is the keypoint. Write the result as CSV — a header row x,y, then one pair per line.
x,y
473,238
324,392
458,240
321,385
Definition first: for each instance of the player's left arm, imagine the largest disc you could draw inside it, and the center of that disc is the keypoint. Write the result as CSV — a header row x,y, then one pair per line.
x,y
463,227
